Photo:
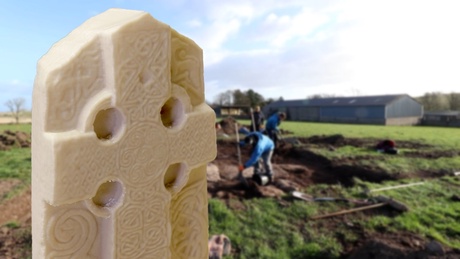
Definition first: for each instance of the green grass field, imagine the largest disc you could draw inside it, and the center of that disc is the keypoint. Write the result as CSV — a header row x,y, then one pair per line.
x,y
439,140
437,136
15,164
15,127
269,228
433,214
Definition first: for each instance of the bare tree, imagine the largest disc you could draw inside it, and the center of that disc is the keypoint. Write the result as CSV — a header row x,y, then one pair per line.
x,y
224,98
16,106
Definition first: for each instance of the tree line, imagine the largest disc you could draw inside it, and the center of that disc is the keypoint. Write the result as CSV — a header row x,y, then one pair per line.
x,y
432,101
436,101
242,98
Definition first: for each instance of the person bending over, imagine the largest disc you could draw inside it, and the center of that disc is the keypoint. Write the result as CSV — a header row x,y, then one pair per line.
x,y
261,150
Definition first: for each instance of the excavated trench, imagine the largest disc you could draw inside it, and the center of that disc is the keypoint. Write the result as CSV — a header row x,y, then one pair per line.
x,y
297,166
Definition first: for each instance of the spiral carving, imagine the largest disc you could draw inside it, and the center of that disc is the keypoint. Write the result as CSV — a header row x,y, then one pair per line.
x,y
71,233
189,221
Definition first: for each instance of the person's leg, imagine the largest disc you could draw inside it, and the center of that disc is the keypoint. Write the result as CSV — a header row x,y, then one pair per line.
x,y
272,135
267,159
269,133
256,168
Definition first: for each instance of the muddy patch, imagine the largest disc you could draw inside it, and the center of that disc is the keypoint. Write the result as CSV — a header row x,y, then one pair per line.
x,y
9,139
295,168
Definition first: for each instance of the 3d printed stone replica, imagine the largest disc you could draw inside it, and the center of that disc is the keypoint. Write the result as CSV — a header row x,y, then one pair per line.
x,y
121,139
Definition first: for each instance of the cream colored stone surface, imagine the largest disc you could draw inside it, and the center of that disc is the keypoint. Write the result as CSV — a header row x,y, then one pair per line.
x,y
121,140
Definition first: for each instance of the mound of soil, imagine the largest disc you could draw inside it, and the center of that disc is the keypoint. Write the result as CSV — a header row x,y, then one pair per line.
x,y
18,138
402,245
295,165
295,168
227,125
15,242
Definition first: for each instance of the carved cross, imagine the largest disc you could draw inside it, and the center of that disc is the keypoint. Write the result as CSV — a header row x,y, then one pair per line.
x,y
124,136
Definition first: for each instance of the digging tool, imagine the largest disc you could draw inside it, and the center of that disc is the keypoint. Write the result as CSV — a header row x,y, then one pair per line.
x,y
303,196
367,191
252,120
240,173
287,140
383,201
279,135
307,197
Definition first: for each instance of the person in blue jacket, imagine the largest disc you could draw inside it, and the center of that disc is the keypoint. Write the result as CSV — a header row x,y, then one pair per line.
x,y
262,149
271,127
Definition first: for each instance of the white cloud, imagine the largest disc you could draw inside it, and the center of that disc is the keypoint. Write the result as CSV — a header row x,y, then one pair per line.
x,y
195,23
281,29
291,73
402,45
344,48
223,20
229,10
15,82
241,22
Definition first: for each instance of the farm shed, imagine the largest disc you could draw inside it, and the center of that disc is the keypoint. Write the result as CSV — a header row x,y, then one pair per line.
x,y
380,110
442,118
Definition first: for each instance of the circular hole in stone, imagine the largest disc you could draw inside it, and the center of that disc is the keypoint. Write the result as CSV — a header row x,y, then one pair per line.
x,y
172,113
108,123
174,177
146,77
108,194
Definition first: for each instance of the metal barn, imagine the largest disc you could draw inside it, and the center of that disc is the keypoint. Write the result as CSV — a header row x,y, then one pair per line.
x,y
381,110
442,118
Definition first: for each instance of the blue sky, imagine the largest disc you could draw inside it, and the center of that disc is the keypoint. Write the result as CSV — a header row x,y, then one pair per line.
x,y
288,48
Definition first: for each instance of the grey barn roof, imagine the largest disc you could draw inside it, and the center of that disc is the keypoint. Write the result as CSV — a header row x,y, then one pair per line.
x,y
341,101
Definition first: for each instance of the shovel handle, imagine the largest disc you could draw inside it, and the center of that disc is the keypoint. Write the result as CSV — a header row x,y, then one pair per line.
x,y
252,120
350,211
238,143
240,173
396,187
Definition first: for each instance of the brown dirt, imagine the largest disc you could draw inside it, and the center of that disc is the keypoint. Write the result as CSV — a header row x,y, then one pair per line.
x,y
9,139
15,220
16,209
295,167
298,167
